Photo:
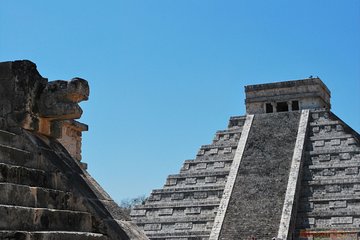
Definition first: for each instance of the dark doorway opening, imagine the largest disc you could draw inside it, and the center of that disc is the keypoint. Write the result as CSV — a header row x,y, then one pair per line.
x,y
295,105
269,108
282,107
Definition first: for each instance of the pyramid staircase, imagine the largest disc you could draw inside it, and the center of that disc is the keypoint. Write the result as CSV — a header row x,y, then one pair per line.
x,y
257,198
45,195
185,208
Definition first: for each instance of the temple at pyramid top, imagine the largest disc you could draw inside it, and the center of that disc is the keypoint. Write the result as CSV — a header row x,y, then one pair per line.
x,y
309,93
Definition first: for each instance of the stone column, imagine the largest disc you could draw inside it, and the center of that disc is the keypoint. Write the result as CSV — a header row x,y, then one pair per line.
x,y
289,106
69,134
274,106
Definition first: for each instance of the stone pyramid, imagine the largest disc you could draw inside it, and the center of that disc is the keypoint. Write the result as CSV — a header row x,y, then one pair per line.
x,y
288,169
45,191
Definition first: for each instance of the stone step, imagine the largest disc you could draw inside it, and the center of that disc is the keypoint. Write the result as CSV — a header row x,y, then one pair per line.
x,y
199,193
220,149
229,131
183,204
335,181
328,207
344,197
209,169
19,157
329,213
8,153
37,197
16,140
338,172
339,193
331,136
203,166
226,140
200,174
219,187
325,123
32,177
50,235
191,196
176,219
38,219
177,212
6,137
335,149
221,145
347,164
236,121
208,181
185,235
213,160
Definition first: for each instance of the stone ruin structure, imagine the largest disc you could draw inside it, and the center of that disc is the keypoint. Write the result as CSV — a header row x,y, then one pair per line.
x,y
288,169
45,191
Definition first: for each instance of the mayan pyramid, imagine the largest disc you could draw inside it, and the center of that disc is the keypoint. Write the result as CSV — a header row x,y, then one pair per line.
x,y
288,169
45,191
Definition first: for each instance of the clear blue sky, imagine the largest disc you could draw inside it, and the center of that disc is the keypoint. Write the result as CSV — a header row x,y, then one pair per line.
x,y
166,74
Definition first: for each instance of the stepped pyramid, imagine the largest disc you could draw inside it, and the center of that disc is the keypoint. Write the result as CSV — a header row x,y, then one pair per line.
x,y
288,169
45,191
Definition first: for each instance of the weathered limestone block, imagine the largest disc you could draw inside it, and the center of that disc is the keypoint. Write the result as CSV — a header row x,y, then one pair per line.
x,y
344,156
227,150
138,212
185,225
165,211
152,227
193,210
337,204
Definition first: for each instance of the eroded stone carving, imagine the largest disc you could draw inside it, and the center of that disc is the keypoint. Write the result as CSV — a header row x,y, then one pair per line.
x,y
29,101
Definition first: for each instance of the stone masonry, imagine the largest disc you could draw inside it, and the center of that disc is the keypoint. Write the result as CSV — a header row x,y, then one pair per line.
x,y
329,204
289,169
186,207
45,192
